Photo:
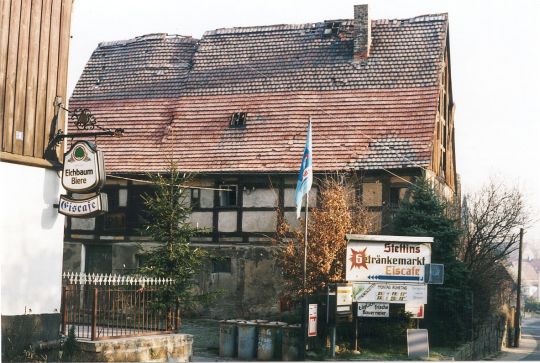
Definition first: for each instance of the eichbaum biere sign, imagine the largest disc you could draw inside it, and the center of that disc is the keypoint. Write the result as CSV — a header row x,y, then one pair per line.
x,y
83,172
83,168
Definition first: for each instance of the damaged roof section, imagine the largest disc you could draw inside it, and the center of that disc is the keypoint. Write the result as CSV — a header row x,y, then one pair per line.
x,y
150,66
404,54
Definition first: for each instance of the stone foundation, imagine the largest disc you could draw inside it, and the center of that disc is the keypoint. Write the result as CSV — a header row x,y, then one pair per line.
x,y
489,339
19,332
149,348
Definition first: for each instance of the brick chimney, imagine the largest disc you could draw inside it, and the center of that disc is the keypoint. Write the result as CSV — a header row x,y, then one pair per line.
x,y
362,32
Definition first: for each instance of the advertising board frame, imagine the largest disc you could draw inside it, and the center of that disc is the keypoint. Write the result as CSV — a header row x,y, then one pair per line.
x,y
382,258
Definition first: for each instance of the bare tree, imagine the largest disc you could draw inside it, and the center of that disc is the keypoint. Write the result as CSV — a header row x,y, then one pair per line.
x,y
491,220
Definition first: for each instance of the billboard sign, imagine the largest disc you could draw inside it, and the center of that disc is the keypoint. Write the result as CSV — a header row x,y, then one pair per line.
x,y
387,258
389,293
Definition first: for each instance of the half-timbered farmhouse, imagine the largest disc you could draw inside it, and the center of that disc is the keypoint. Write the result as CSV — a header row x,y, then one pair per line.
x,y
232,108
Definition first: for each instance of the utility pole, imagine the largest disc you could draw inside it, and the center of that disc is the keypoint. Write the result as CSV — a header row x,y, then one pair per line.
x,y
517,318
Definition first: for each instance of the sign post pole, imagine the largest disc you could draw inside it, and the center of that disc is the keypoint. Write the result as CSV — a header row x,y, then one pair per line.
x,y
305,304
355,328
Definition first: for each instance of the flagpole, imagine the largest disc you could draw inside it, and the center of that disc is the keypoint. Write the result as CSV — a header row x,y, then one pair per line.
x,y
305,179
306,240
305,320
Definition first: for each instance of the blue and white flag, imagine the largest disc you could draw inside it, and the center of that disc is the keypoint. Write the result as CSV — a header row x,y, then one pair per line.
x,y
305,176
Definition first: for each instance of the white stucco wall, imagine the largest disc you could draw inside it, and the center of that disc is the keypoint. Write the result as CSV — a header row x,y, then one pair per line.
x,y
30,240
259,221
260,198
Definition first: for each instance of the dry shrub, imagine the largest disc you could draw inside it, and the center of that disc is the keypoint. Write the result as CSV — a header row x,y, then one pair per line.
x,y
337,214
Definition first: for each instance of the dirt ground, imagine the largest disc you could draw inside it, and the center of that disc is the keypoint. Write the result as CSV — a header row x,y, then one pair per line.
x,y
205,339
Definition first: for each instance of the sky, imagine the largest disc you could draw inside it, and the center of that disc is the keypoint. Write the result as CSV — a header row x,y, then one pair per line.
x,y
494,55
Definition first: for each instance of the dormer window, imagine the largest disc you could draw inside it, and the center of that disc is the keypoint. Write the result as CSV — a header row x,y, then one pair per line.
x,y
238,119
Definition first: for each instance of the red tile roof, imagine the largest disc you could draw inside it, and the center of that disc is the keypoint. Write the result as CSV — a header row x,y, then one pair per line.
x,y
379,113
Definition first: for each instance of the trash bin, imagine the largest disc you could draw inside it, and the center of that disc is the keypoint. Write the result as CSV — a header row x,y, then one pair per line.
x,y
247,340
291,342
278,354
228,333
269,341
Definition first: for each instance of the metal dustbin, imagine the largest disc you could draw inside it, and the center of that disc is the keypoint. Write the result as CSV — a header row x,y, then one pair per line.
x,y
278,354
269,342
247,340
292,340
228,333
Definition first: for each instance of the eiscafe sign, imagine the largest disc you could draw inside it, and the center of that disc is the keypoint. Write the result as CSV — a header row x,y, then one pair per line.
x,y
90,207
83,172
387,258
83,168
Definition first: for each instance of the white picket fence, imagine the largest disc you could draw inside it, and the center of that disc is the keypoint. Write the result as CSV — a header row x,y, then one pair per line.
x,y
81,278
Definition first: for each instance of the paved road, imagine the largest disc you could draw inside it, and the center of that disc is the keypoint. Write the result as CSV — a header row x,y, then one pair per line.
x,y
530,332
529,346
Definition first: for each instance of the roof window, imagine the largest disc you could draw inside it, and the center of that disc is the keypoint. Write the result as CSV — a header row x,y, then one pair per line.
x,y
238,119
332,28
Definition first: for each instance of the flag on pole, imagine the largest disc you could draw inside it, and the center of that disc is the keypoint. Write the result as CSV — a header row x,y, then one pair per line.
x,y
305,176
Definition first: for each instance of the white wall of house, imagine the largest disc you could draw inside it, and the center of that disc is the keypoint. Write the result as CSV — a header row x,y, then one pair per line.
x,y
31,240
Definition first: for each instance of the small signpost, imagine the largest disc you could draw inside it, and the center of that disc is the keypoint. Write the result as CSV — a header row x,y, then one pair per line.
x,y
339,303
312,320
374,310
416,310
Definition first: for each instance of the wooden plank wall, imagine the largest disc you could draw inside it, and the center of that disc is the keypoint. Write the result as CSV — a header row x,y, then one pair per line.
x,y
34,46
